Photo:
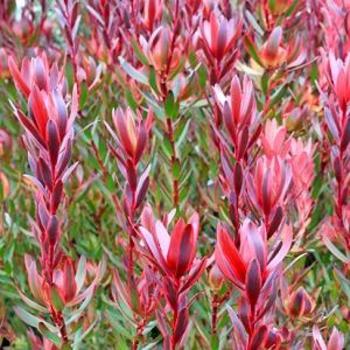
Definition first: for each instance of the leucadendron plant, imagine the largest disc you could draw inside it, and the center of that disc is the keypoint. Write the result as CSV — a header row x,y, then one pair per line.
x,y
56,281
174,174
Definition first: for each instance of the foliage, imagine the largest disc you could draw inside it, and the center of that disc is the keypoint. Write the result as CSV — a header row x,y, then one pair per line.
x,y
174,174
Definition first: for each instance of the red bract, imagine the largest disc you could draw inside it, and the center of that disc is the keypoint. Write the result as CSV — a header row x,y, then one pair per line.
x,y
239,115
163,55
277,52
48,140
273,140
36,71
272,54
255,271
141,296
336,69
132,133
234,262
335,342
299,303
152,13
336,97
219,35
174,257
268,188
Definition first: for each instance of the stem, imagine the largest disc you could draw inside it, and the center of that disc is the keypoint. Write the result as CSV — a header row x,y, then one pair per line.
x,y
172,341
173,161
138,335
214,314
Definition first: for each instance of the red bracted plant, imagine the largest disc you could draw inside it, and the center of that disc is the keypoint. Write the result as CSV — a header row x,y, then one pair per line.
x,y
338,123
254,268
219,38
335,342
131,136
242,124
234,114
174,257
141,295
267,190
48,140
69,15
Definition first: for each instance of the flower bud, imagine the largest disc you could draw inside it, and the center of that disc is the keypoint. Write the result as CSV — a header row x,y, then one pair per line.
x,y
216,278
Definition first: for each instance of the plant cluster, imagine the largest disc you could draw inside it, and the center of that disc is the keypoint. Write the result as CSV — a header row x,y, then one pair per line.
x,y
174,174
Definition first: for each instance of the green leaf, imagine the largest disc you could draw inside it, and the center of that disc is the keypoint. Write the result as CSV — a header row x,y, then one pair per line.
x,y
335,251
81,272
202,76
138,52
166,147
130,99
278,94
132,72
254,23
272,5
84,92
152,79
250,47
265,83
56,299
54,338
171,106
181,135
79,335
176,169
291,8
344,282
27,317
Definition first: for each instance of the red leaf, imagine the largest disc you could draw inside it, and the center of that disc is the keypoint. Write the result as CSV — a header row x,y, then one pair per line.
x,y
16,75
253,282
69,284
38,108
53,141
227,257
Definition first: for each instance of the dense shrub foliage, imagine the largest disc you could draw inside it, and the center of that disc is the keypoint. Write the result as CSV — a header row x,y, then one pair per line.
x,y
174,174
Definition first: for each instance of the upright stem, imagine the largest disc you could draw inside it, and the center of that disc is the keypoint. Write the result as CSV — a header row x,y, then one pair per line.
x,y
175,316
214,314
173,162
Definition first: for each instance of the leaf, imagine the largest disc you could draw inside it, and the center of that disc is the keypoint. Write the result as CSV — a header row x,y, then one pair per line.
x,y
84,93
252,50
176,169
334,250
171,106
251,19
132,72
139,54
79,336
167,148
265,83
344,282
56,299
81,273
202,76
32,320
152,79
179,138
130,99
278,94
54,338
32,303
75,315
